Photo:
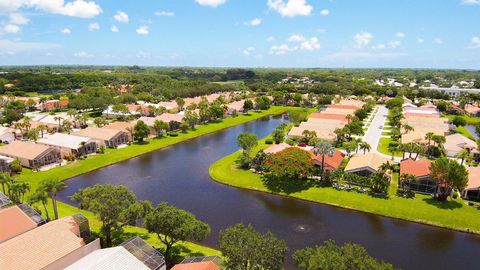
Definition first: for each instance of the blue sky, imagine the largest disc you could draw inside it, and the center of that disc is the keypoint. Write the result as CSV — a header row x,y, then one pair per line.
x,y
245,33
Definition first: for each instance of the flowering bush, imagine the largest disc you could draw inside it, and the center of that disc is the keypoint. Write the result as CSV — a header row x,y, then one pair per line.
x,y
292,163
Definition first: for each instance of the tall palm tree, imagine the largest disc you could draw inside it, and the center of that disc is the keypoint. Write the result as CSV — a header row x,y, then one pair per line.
x,y
357,141
59,120
5,179
439,140
42,128
407,128
365,147
463,155
324,149
429,137
18,190
393,148
52,186
67,126
40,196
349,118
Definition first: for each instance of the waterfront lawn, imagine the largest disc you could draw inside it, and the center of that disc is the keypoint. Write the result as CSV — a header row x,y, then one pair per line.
x,y
470,119
462,130
453,214
383,147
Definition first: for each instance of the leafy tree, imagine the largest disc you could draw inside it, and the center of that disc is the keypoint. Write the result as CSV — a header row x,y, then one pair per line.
x,y
115,207
247,141
298,116
140,131
442,106
459,121
263,103
278,135
379,182
246,249
191,118
32,134
292,163
172,225
180,102
394,103
258,160
449,175
247,105
216,111
331,256
160,127
100,122
52,186
16,166
361,114
120,108
184,127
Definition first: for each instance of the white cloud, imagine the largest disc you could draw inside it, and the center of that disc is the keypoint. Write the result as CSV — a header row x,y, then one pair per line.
x,y
114,29
18,19
437,41
165,13
254,22
143,30
393,44
11,28
83,54
474,43
121,16
271,39
282,49
325,12
66,31
296,38
420,40
75,8
291,8
362,39
400,34
471,2
248,51
310,45
211,3
379,47
20,46
93,27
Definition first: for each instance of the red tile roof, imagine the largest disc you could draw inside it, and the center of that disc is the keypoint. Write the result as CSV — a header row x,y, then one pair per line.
x,y
331,162
13,221
339,106
418,168
209,265
473,178
329,116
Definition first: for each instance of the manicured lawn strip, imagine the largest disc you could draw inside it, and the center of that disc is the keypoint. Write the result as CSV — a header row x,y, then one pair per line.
x,y
454,215
470,120
462,130
383,147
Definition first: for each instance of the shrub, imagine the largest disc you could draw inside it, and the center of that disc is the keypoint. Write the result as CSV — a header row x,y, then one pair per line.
x,y
268,141
290,142
101,150
459,121
16,166
173,134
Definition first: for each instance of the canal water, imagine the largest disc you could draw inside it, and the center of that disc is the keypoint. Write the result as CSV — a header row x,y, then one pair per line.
x,y
179,175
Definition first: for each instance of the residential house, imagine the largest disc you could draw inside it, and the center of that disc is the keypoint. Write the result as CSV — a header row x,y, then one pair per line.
x,y
50,246
31,155
472,110
275,148
421,169
54,104
7,135
365,164
169,117
329,116
70,144
199,263
169,105
133,254
18,219
330,162
104,136
5,163
236,106
472,191
455,143
122,126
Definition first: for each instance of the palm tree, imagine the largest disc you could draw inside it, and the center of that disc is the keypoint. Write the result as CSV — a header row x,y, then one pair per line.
x,y
67,126
42,128
407,128
365,147
439,140
463,155
40,196
59,119
419,150
429,136
386,167
393,148
18,190
72,113
349,118
357,142
324,149
52,186
5,179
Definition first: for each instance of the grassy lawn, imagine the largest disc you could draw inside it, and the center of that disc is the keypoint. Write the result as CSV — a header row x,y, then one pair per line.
x,y
112,156
462,130
422,209
470,120
383,147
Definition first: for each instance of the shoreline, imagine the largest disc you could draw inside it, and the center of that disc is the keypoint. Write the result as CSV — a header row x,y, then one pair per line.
x,y
220,166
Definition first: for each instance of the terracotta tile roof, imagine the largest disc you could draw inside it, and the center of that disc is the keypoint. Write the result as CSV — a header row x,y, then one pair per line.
x,y
167,117
98,133
21,149
456,142
418,168
329,116
370,160
41,246
208,265
415,115
340,106
472,109
339,111
331,162
13,222
122,126
473,178
323,134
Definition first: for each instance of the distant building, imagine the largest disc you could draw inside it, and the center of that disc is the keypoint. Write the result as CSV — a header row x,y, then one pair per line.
x,y
365,164
104,136
31,155
51,105
453,92
70,144
420,169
